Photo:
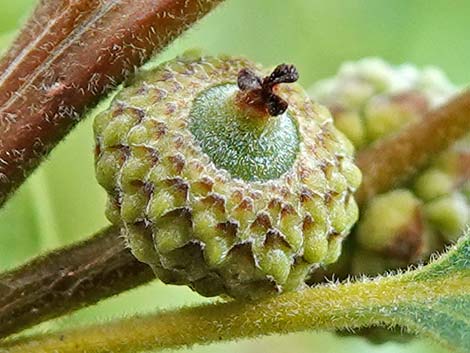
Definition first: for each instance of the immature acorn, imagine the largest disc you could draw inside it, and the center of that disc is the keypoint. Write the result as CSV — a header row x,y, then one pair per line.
x,y
370,100
225,181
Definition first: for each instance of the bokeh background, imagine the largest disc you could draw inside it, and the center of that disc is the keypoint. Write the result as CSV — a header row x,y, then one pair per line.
x,y
62,203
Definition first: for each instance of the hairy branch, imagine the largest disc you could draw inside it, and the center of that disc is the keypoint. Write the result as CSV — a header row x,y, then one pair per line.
x,y
67,57
68,279
327,307
319,308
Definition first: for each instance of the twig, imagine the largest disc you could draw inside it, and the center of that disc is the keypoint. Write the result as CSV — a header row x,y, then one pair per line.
x,y
393,160
36,23
68,279
68,56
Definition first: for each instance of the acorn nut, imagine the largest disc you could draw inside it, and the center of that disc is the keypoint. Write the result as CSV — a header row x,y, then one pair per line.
x,y
225,181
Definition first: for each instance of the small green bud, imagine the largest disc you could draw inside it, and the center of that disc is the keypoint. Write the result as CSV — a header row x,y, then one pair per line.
x,y
433,183
449,214
352,125
392,226
383,97
384,114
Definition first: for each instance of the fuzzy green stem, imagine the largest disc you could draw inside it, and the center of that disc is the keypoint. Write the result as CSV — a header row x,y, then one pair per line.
x,y
324,307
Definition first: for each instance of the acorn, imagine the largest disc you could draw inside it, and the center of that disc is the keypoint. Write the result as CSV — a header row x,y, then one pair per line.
x,y
371,100
226,177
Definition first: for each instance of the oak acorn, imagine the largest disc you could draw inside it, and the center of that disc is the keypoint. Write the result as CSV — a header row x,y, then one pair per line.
x,y
223,180
371,99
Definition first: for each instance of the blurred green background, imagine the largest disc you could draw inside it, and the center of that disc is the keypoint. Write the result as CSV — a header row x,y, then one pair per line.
x,y
62,203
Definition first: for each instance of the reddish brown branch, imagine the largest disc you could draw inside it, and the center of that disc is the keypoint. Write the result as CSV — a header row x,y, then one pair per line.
x,y
35,42
29,34
68,279
70,54
393,160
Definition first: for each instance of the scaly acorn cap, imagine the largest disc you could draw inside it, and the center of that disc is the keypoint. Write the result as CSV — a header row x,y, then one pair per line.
x,y
225,181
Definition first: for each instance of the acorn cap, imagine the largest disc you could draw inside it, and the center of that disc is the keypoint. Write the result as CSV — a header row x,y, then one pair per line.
x,y
223,180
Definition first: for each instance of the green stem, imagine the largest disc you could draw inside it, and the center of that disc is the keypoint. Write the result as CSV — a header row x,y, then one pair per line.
x,y
324,307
